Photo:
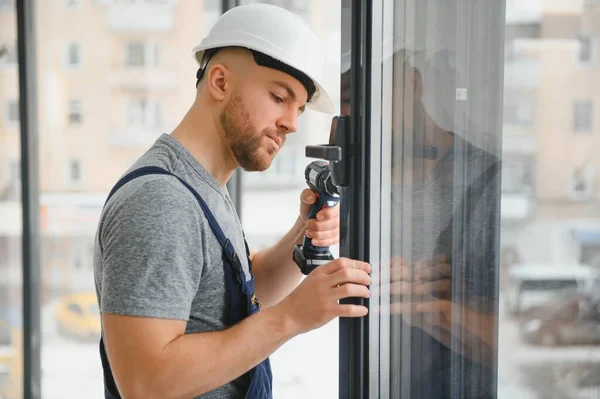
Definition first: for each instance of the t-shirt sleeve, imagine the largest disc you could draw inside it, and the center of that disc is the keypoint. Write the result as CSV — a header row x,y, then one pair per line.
x,y
151,251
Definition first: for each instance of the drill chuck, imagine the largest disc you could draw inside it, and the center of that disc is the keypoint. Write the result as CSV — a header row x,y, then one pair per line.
x,y
318,178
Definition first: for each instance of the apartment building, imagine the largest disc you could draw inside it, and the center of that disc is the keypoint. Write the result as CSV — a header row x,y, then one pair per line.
x,y
551,133
112,76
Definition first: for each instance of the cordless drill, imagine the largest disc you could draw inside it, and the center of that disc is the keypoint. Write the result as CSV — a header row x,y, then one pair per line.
x,y
318,177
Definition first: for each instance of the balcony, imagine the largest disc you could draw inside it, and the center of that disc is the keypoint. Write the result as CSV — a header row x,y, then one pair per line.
x,y
11,215
518,140
135,136
516,207
142,78
141,16
522,74
520,12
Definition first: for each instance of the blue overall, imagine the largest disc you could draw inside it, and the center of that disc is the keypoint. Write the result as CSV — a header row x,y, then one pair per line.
x,y
239,291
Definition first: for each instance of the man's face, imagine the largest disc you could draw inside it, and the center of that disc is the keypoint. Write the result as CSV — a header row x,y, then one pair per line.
x,y
263,108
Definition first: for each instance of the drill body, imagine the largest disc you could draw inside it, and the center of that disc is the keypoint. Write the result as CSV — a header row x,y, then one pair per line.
x,y
318,177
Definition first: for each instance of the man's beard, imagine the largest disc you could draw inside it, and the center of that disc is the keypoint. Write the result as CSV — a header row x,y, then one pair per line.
x,y
243,139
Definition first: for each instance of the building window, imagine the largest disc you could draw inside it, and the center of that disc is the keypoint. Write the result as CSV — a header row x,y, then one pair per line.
x,y
73,54
585,51
144,112
75,171
75,112
581,183
10,189
212,5
8,55
12,174
517,175
72,4
11,113
14,170
142,54
299,7
582,116
519,109
7,5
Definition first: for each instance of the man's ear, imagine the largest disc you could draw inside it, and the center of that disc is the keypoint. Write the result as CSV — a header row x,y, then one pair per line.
x,y
218,81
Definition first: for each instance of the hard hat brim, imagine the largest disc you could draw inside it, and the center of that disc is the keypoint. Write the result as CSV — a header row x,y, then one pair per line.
x,y
321,100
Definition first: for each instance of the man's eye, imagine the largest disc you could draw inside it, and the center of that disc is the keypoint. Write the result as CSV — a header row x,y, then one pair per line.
x,y
277,98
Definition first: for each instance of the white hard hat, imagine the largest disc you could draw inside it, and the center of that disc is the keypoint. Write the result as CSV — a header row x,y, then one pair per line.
x,y
286,40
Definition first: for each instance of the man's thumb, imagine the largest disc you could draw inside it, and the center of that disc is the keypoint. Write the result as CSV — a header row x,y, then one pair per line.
x,y
308,197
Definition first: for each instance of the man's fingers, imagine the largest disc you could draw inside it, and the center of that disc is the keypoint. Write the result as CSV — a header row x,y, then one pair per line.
x,y
324,234
347,310
307,196
438,286
401,272
351,291
327,242
429,262
401,287
436,272
440,305
344,263
330,212
322,225
347,275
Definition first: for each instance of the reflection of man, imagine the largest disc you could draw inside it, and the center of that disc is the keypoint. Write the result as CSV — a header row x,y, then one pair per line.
x,y
444,244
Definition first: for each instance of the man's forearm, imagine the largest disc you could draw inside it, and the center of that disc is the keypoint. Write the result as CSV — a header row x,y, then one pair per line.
x,y
194,364
274,269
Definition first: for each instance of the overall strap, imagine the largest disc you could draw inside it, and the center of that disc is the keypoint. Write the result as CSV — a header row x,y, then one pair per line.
x,y
111,391
225,242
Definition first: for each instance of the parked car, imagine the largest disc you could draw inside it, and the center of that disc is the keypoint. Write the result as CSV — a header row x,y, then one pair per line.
x,y
78,316
566,320
531,285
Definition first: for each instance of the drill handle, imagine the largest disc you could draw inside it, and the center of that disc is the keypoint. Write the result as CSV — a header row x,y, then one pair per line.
x,y
323,200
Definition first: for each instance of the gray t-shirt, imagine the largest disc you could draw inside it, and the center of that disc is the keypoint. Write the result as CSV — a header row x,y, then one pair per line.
x,y
155,254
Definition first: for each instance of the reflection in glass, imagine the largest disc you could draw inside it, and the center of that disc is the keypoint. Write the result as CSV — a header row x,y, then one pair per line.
x,y
443,124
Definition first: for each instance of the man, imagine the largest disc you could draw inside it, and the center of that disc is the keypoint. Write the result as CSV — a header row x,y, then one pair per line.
x,y
179,297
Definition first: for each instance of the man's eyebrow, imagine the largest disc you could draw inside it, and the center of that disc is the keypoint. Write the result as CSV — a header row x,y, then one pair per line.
x,y
290,92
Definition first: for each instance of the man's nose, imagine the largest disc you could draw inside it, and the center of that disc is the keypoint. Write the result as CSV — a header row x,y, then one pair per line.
x,y
288,123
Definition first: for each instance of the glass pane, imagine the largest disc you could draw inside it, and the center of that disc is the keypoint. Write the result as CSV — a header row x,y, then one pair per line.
x,y
270,206
95,121
439,96
136,54
11,211
550,240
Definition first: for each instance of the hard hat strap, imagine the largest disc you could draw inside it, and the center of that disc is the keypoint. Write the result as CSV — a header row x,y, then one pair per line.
x,y
266,61
270,62
206,57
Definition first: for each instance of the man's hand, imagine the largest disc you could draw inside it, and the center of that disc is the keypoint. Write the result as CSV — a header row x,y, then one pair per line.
x,y
315,301
325,229
421,295
428,277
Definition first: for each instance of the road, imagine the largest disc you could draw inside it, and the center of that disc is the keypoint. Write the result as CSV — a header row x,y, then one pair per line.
x,y
307,366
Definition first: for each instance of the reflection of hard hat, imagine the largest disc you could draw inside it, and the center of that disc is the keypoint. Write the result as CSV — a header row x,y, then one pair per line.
x,y
278,39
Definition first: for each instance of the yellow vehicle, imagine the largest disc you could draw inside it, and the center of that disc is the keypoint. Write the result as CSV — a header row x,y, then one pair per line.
x,y
77,316
11,366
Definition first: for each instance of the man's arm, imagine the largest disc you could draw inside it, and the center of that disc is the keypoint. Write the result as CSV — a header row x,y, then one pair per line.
x,y
153,358
276,273
274,269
